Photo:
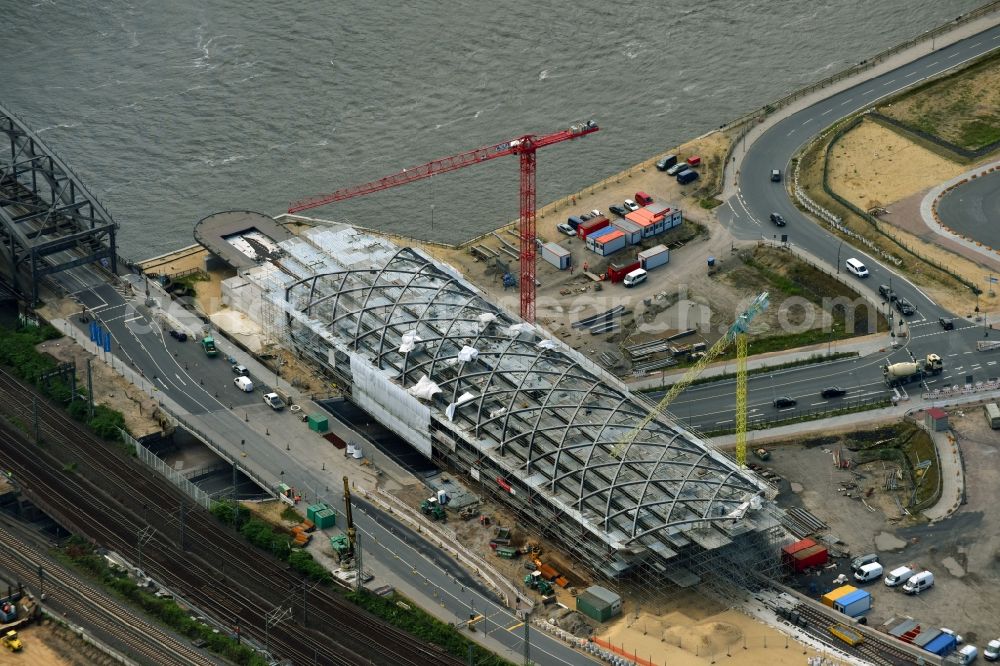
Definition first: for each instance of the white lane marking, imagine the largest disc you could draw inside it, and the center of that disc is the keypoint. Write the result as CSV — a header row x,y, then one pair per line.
x,y
826,112
906,76
868,91
992,363
972,46
889,82
954,55
848,101
790,133
808,121
134,319
953,354
721,422
821,402
790,409
977,367
931,65
179,379
959,368
968,352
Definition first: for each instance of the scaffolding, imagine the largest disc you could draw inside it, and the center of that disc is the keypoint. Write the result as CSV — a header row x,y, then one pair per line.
x,y
525,416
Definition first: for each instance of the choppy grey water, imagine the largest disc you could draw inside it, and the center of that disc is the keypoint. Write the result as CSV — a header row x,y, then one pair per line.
x,y
173,110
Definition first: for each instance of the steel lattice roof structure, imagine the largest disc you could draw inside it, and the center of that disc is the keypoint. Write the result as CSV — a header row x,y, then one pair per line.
x,y
526,413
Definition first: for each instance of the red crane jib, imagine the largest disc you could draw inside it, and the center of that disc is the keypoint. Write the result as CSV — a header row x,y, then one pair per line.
x,y
524,147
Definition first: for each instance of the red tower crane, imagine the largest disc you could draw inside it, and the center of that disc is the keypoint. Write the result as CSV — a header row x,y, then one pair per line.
x,y
524,147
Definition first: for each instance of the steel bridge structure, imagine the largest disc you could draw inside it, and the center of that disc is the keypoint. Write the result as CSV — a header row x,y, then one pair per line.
x,y
49,222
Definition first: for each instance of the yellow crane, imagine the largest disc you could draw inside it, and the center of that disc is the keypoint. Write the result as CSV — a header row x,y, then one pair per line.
x,y
737,332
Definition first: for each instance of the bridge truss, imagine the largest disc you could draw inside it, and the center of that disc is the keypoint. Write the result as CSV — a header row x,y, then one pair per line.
x,y
49,222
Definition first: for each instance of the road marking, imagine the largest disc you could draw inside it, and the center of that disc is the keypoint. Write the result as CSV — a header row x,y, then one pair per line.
x,y
954,55
821,402
931,65
906,76
977,367
889,83
959,368
515,626
977,44
968,352
790,133
868,91
721,422
808,121
952,354
789,409
132,319
179,379
992,363
847,101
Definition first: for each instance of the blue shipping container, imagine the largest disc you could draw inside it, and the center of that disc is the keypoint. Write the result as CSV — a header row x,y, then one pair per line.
x,y
854,604
942,646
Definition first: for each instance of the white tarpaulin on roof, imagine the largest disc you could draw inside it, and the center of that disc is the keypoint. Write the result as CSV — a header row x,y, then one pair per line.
x,y
424,388
486,318
520,330
548,344
409,342
462,399
468,354
375,393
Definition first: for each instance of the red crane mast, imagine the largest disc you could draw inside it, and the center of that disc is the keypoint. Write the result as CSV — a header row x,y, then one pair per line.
x,y
524,147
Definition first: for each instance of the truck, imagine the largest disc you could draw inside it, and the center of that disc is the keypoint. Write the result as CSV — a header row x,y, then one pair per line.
x,y
897,374
208,344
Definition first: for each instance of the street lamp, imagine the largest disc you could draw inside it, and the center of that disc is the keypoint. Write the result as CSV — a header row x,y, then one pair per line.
x,y
838,256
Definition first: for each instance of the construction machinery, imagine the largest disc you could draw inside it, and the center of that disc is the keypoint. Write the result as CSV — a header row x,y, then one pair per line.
x,y
347,557
431,507
896,374
341,547
762,454
12,642
523,147
738,332
208,344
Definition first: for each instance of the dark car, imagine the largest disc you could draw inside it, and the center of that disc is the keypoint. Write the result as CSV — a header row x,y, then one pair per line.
x,y
833,392
905,307
946,324
775,175
885,292
666,162
617,209
180,336
784,401
777,219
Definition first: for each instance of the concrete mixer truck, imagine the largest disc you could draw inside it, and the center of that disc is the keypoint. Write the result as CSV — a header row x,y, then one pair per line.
x,y
896,374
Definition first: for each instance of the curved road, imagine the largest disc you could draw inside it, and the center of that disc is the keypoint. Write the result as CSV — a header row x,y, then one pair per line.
x,y
973,209
710,406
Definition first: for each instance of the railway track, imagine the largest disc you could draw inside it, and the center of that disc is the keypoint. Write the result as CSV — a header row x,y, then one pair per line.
x,y
96,491
878,652
145,642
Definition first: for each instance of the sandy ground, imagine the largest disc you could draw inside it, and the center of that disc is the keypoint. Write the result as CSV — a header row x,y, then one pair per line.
x,y
873,166
184,259
47,644
681,639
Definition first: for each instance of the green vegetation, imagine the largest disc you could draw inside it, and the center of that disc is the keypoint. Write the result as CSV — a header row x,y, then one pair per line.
x,y
82,555
960,109
421,624
906,445
291,515
709,203
761,370
17,352
407,617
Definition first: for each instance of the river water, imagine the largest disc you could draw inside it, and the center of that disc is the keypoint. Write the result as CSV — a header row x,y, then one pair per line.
x,y
170,111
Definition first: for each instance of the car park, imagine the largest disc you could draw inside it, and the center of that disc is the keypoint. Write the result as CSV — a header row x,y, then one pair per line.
x,y
677,168
886,292
777,220
905,307
775,175
566,229
618,210
784,401
833,392
631,205
946,324
992,651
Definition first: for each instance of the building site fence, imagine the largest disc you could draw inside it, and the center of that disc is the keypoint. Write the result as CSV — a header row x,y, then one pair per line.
x,y
172,475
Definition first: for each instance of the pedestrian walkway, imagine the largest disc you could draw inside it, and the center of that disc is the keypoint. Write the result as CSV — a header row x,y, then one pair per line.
x,y
952,477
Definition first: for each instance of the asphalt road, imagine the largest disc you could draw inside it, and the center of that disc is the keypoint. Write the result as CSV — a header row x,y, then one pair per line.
x,y
973,209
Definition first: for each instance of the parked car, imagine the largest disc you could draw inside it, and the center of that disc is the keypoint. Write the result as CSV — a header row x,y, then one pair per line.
x,y
180,336
618,210
666,162
862,560
643,199
992,651
905,307
566,229
274,401
631,205
775,175
784,401
240,369
886,292
677,168
585,217
596,213
778,220
946,324
833,392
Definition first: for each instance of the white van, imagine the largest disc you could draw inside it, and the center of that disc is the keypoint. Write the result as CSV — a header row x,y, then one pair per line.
x,y
967,654
898,576
919,582
243,383
638,276
856,267
869,572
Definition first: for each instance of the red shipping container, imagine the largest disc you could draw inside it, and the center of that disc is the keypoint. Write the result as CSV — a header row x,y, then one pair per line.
x,y
810,557
793,548
591,225
694,160
617,273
